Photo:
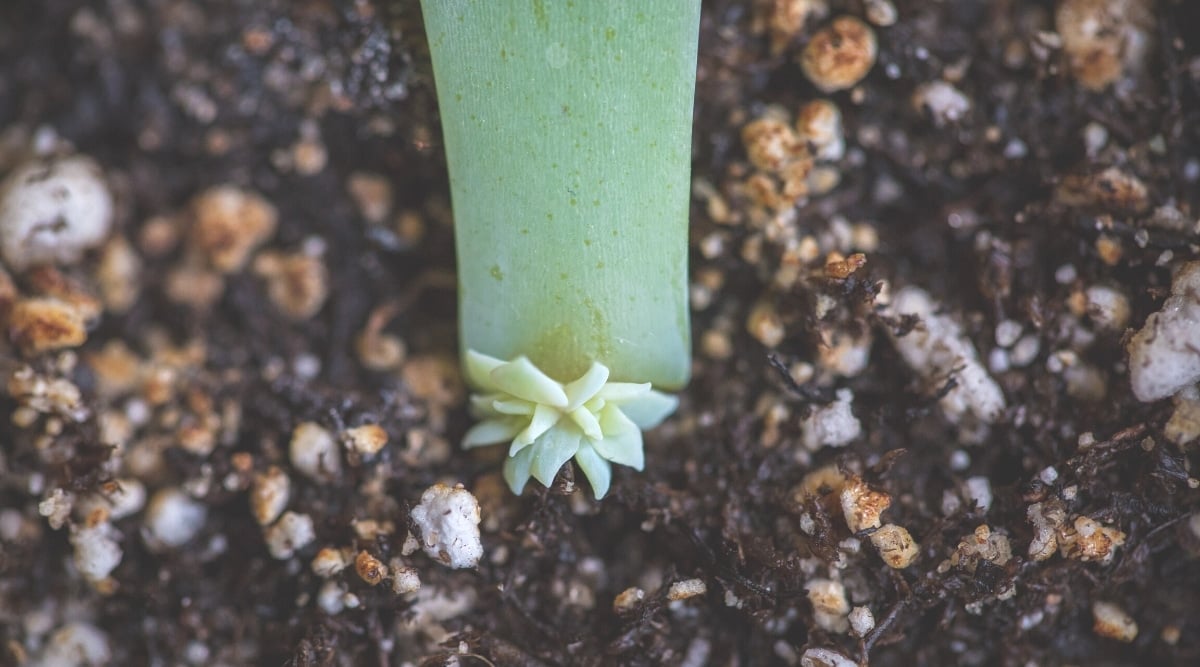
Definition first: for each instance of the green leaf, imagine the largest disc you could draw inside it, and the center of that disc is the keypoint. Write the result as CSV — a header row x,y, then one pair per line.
x,y
595,405
512,406
587,422
624,448
522,379
482,406
516,470
582,390
479,369
621,392
596,469
651,409
554,449
567,130
544,417
491,432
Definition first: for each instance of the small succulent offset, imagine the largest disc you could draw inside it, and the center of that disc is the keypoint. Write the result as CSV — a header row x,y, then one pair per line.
x,y
590,419
567,127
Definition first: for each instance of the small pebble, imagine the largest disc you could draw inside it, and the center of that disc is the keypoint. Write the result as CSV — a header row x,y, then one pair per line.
x,y
1111,621
896,546
628,600
329,562
862,506
269,495
862,621
828,599
839,55
366,440
228,224
369,568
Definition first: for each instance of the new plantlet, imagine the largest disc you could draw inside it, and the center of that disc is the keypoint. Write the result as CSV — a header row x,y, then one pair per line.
x,y
567,127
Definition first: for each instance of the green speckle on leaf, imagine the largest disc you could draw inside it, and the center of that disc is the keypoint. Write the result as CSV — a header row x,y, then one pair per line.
x,y
539,15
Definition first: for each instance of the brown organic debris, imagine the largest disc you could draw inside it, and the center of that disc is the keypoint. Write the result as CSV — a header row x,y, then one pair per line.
x,y
840,54
228,223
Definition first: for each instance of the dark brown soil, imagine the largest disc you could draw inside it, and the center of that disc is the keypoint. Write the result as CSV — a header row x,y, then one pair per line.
x,y
174,96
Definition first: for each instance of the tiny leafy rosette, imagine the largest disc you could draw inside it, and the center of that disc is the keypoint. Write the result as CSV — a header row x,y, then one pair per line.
x,y
547,422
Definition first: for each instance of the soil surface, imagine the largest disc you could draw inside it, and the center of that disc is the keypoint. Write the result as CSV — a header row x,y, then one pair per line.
x,y
1008,199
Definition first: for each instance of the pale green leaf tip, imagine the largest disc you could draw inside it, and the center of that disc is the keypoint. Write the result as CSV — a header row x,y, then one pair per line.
x,y
594,421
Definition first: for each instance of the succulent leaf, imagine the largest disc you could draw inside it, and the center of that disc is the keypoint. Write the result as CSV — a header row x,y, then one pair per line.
x,y
547,423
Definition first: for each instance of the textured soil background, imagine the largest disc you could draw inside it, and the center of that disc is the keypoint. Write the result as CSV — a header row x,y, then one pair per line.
x,y
1000,213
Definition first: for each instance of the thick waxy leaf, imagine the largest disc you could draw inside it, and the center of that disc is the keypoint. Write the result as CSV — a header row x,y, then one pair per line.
x,y
622,442
583,389
567,128
491,432
596,469
587,422
621,392
517,470
513,407
543,418
479,369
554,449
524,380
650,409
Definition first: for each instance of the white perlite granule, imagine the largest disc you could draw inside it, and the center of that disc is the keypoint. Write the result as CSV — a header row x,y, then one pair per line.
x,y
1164,357
688,588
862,621
172,518
832,425
979,491
828,599
123,497
56,508
946,104
97,553
448,518
75,645
52,210
314,452
291,533
937,350
825,657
